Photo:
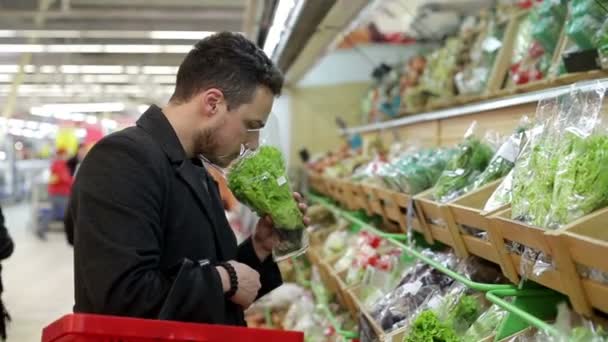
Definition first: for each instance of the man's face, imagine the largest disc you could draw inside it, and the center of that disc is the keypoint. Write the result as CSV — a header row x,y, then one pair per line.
x,y
220,141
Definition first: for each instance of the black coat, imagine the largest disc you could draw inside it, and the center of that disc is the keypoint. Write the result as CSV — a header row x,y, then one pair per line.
x,y
146,221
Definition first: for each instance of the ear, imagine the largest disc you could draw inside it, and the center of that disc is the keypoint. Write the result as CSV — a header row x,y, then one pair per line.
x,y
210,100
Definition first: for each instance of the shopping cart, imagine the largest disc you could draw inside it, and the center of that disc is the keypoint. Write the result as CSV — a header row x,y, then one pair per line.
x,y
96,328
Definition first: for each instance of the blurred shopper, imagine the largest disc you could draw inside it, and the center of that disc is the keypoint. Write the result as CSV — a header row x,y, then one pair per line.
x,y
60,185
75,160
6,250
150,236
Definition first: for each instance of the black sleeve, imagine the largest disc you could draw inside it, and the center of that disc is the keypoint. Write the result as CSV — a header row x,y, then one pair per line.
x,y
270,276
116,207
6,242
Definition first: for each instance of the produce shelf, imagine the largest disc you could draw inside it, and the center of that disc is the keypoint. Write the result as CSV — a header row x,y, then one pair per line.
x,y
494,292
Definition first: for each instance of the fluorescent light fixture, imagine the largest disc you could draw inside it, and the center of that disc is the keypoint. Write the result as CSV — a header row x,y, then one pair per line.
x,y
16,123
94,48
132,70
91,119
164,79
2,155
78,117
9,68
185,35
21,48
59,110
159,70
28,133
279,24
8,78
16,131
101,69
48,69
32,124
109,123
142,108
8,34
103,34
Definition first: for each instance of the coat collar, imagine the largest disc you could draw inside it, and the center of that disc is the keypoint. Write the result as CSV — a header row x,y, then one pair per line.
x,y
156,124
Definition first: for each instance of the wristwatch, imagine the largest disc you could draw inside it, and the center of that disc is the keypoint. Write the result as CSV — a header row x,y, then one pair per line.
x,y
234,280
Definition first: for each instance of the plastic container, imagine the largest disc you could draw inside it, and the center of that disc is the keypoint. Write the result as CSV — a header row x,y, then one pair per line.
x,y
97,328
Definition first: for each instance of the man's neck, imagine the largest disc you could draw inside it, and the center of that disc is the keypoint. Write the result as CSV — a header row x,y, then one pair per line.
x,y
178,117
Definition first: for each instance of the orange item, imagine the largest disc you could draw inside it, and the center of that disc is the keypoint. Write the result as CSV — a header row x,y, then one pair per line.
x,y
228,199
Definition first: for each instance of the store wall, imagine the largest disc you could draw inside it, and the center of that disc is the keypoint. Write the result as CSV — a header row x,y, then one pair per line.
x,y
313,124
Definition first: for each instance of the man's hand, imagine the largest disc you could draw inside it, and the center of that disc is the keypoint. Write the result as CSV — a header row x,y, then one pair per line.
x,y
265,237
249,283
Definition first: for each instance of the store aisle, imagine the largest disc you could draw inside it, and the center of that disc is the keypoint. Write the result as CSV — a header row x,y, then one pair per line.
x,y
38,278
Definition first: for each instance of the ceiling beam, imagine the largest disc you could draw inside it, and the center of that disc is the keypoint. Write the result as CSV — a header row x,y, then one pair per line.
x,y
100,59
131,14
210,24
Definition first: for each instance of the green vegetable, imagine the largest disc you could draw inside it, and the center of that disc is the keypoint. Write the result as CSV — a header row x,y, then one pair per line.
x,y
581,184
485,325
259,181
464,313
427,328
471,159
416,172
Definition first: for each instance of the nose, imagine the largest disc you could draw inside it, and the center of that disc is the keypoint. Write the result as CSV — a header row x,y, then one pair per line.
x,y
253,140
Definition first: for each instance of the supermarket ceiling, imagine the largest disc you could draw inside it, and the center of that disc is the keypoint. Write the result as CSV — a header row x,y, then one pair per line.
x,y
129,50
93,50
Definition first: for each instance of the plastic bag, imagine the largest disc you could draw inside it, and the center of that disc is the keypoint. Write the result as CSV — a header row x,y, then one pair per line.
x,y
259,180
501,164
486,325
501,196
471,158
581,182
534,179
414,173
582,31
573,328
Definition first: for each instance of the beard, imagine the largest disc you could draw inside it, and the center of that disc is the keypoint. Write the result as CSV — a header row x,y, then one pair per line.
x,y
208,145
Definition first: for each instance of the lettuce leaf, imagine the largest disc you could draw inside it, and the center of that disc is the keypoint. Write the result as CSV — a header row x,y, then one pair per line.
x,y
259,180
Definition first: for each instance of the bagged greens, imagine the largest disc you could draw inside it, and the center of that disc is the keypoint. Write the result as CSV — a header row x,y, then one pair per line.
x,y
259,180
427,328
486,325
414,173
581,181
471,158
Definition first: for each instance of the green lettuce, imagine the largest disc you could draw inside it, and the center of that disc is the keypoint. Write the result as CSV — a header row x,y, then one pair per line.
x,y
581,183
259,180
428,328
471,159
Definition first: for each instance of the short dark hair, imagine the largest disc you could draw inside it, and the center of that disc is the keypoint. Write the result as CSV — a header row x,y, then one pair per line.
x,y
230,62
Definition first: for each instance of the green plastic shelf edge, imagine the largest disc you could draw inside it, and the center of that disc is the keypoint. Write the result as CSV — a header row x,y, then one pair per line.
x,y
494,292
332,320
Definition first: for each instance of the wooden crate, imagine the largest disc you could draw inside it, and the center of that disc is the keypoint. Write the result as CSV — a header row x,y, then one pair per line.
x,y
467,210
436,218
348,200
373,201
584,242
396,335
504,228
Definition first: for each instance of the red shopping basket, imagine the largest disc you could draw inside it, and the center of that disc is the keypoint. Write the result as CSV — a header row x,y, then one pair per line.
x,y
96,328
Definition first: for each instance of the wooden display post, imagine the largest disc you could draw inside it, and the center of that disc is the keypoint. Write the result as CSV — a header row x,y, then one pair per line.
x,y
436,218
467,211
584,243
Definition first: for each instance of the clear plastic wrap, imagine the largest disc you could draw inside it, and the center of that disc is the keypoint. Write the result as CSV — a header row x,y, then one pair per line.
x,y
471,158
501,196
573,328
259,180
486,325
581,182
582,31
414,173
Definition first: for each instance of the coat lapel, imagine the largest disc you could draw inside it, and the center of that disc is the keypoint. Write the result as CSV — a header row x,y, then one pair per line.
x,y
189,173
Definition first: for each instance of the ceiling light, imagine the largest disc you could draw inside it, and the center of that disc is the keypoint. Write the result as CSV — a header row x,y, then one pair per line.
x,y
164,79
60,109
81,133
62,116
21,48
186,35
109,123
16,123
9,68
159,70
91,119
132,70
93,48
101,69
78,117
7,78
279,24
32,124
48,69
142,108
8,34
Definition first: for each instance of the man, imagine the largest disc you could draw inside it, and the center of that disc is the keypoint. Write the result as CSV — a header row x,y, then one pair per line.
x,y
151,237
59,187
